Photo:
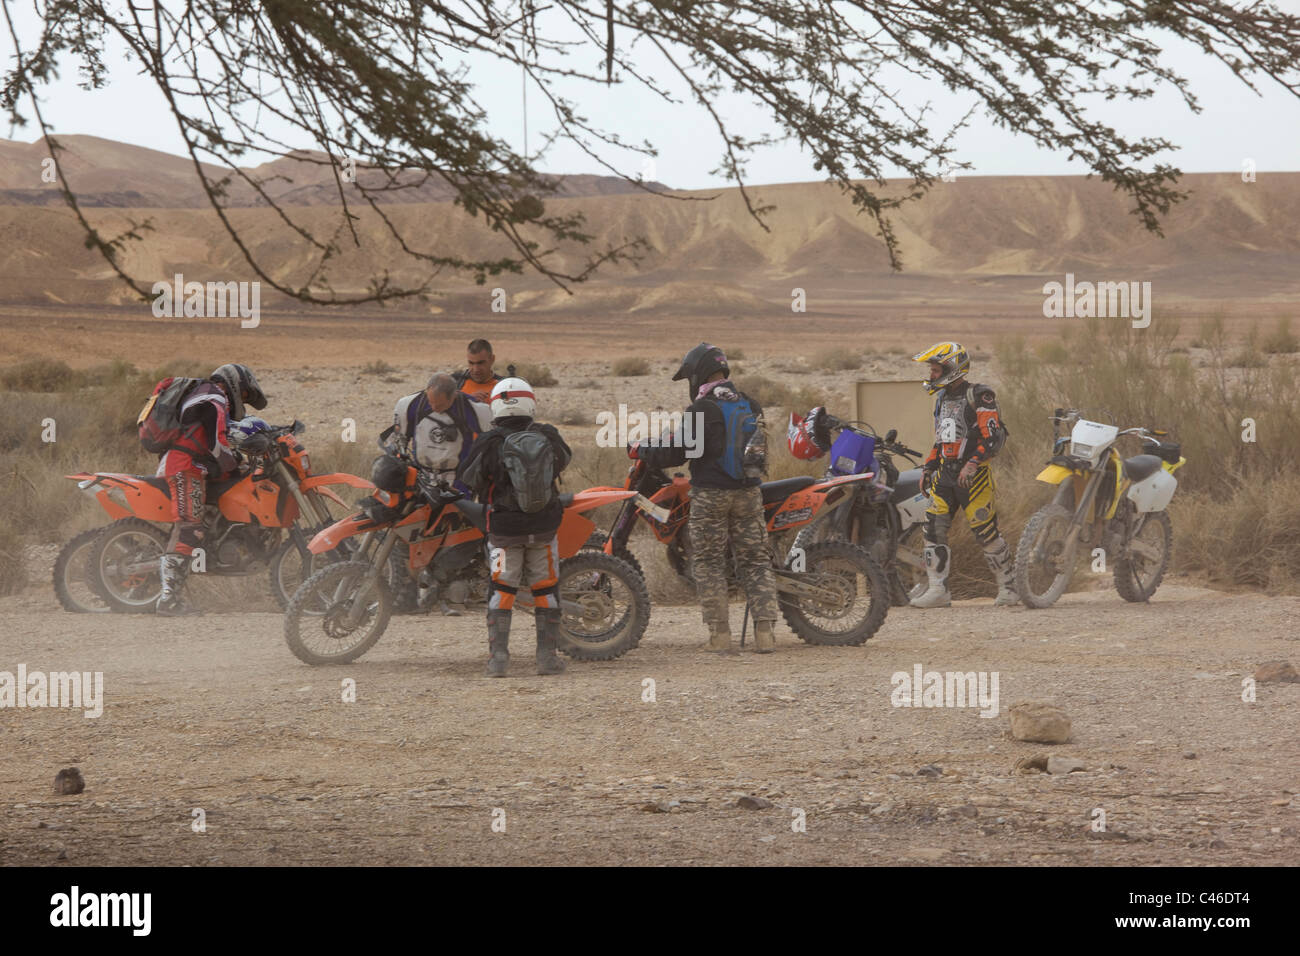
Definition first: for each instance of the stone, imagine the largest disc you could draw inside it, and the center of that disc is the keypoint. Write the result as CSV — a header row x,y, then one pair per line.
x,y
930,770
1038,721
753,803
1065,765
1277,672
69,780
1036,762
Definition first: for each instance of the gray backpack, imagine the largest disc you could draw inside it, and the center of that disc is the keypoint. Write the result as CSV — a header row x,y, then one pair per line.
x,y
529,460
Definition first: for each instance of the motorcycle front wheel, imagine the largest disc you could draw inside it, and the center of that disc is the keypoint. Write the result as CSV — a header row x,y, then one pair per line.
x,y
606,606
860,589
338,614
1044,563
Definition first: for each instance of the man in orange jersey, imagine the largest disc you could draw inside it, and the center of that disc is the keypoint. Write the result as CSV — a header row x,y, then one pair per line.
x,y
478,380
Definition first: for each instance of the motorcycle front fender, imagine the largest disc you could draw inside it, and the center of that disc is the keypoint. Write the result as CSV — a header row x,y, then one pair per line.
x,y
1054,474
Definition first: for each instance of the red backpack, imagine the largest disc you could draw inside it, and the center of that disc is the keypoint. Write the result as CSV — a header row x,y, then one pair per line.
x,y
159,423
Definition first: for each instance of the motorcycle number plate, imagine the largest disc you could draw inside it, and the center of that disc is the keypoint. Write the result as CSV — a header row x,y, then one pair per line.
x,y
658,512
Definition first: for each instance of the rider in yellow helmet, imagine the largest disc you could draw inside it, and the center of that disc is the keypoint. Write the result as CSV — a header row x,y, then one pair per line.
x,y
968,431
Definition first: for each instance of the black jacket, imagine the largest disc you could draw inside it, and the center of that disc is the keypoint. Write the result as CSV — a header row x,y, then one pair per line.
x,y
706,470
484,474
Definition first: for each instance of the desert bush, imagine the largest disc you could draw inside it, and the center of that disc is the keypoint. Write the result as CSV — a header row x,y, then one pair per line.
x,y
836,360
538,376
378,367
13,575
1281,341
630,366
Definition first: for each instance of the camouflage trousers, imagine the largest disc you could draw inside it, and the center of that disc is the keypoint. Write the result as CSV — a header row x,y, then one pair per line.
x,y
722,517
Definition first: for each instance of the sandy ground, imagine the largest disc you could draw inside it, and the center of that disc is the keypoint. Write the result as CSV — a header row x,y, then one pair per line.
x,y
582,769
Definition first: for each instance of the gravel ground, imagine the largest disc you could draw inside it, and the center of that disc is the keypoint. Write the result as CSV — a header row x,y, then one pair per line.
x,y
435,764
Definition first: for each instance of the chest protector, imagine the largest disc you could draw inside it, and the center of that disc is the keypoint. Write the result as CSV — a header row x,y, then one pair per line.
x,y
740,422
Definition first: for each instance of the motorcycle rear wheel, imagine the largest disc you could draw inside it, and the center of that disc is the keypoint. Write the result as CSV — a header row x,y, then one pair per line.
x,y
847,568
1044,565
315,625
127,542
73,584
1138,577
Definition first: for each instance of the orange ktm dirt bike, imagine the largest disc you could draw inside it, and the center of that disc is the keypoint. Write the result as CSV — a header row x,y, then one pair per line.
x,y
260,519
342,610
831,592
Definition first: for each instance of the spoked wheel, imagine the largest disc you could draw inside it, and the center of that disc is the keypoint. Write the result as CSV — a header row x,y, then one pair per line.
x,y
1139,573
338,614
289,569
908,572
845,595
73,585
606,607
123,565
1044,563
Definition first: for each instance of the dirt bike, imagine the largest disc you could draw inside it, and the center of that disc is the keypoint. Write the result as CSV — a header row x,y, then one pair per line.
x,y
886,515
259,519
605,602
820,591
1102,501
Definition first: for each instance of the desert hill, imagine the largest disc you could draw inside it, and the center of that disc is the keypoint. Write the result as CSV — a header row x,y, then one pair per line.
x,y
978,238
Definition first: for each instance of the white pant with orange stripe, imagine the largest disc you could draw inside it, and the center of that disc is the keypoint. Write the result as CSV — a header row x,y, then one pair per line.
x,y
532,562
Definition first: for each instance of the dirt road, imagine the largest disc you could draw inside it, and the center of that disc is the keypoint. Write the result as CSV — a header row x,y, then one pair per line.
x,y
585,768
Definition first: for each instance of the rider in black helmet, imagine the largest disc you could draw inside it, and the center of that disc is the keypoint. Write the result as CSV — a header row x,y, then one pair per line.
x,y
722,425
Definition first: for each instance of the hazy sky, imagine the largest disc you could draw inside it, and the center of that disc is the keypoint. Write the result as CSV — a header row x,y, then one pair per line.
x,y
1235,123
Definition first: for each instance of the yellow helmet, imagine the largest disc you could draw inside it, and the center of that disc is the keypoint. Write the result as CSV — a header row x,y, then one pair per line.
x,y
952,357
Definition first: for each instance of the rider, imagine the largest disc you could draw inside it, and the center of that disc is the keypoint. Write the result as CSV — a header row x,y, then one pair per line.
x,y
513,469
726,503
968,432
200,455
478,379
442,424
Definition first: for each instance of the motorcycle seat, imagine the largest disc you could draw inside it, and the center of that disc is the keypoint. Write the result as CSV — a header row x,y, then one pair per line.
x,y
474,512
778,490
1141,466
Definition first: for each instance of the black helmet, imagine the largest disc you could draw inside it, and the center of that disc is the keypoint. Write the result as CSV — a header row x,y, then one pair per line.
x,y
236,380
699,364
389,474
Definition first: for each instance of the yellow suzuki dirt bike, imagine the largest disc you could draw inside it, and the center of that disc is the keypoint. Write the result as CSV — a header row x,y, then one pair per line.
x,y
1102,501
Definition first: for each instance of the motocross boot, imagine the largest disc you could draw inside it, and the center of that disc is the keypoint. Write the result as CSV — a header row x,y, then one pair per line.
x,y
173,569
1000,560
764,637
938,560
498,623
719,637
548,638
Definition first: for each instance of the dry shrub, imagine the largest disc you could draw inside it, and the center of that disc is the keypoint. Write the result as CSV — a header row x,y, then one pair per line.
x,y
837,360
630,366
538,376
1281,341
12,573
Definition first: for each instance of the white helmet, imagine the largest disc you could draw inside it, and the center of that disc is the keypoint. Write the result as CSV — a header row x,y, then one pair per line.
x,y
513,396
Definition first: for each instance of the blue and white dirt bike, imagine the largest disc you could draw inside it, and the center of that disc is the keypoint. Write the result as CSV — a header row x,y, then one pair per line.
x,y
887,514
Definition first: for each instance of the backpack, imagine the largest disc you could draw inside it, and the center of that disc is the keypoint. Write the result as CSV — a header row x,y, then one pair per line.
x,y
159,423
528,459
741,422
